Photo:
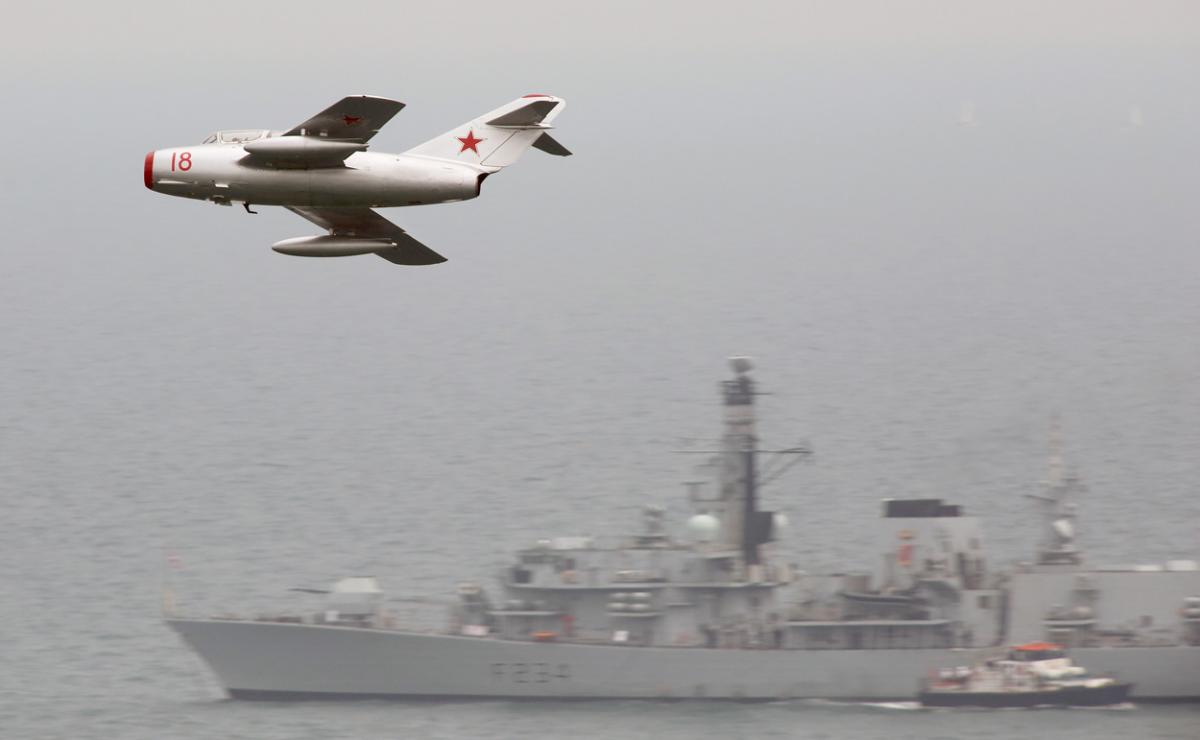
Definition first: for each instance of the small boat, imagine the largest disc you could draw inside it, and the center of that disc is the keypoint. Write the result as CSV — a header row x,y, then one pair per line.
x,y
1030,675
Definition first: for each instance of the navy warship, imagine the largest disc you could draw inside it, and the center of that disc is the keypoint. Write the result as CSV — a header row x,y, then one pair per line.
x,y
711,613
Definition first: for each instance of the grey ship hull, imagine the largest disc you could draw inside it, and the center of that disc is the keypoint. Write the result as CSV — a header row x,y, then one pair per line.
x,y
268,660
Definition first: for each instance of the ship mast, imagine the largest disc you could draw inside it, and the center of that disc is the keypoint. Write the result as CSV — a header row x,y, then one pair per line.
x,y
744,526
1057,507
737,454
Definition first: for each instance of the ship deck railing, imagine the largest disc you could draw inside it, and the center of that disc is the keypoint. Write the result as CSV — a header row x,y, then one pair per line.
x,y
641,585
868,623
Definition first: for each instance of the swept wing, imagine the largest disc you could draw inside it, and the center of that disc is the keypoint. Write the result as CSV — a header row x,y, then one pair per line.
x,y
353,118
350,226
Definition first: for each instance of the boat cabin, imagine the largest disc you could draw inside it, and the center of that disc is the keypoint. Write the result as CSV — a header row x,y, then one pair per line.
x,y
1034,651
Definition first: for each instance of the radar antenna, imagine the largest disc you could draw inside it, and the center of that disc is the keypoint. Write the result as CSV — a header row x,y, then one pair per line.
x,y
743,525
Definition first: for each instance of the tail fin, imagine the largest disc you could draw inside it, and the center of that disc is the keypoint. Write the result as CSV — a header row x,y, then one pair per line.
x,y
498,138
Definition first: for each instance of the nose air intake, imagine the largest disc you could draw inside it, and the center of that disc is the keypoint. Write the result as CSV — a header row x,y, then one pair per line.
x,y
148,172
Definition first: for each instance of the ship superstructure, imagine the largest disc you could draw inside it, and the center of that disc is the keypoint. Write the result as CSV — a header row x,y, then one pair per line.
x,y
714,588
711,613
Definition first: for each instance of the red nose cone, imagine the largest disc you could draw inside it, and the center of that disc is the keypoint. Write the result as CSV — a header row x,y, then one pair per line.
x,y
148,175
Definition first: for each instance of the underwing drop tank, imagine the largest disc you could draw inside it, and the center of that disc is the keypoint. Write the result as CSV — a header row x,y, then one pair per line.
x,y
331,246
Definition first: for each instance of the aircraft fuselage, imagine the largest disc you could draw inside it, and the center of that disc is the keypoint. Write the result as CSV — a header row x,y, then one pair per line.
x,y
321,170
226,173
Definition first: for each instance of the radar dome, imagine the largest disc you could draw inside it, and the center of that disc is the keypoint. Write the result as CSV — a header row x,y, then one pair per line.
x,y
1064,529
704,527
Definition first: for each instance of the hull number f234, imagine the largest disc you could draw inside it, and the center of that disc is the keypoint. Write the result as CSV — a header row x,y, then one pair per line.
x,y
531,672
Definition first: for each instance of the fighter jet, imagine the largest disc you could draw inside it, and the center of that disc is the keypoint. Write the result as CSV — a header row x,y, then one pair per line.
x,y
321,171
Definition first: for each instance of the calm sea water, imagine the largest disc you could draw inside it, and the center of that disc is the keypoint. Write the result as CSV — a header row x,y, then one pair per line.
x,y
285,424
175,388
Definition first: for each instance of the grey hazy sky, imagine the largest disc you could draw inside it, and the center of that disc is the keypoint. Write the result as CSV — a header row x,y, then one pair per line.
x,y
693,122
323,33
801,116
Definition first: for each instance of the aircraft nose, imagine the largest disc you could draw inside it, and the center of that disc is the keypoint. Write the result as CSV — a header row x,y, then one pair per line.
x,y
148,173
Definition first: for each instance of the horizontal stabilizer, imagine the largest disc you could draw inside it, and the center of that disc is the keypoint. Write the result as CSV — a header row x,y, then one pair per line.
x,y
528,115
550,145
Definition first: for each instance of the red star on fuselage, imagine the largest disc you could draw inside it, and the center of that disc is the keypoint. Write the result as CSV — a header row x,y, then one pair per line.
x,y
468,142
351,120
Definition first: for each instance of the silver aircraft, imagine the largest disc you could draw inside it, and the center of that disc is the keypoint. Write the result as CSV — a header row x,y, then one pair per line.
x,y
321,171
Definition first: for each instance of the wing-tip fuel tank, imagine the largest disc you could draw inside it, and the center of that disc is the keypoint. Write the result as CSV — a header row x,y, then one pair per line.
x,y
323,171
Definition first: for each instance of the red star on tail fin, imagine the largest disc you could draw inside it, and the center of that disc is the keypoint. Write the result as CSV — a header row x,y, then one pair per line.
x,y
469,142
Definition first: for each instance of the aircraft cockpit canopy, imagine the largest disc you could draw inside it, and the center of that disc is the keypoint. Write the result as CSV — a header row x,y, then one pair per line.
x,y
236,136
